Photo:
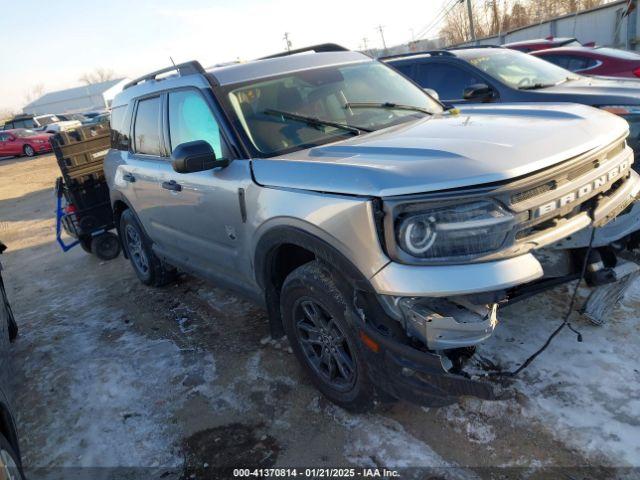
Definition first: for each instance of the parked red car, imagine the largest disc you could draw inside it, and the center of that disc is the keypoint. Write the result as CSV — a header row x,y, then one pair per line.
x,y
536,44
604,61
23,142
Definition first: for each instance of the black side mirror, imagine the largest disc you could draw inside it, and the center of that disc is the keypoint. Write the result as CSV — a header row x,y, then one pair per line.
x,y
478,91
195,156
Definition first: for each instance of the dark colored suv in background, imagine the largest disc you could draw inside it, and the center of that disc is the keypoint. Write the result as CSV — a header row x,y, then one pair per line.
x,y
494,74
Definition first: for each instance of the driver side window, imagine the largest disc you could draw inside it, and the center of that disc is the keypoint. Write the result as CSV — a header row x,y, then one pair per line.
x,y
190,118
448,80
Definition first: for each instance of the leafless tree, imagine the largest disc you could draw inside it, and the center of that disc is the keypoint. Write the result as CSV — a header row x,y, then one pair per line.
x,y
492,17
6,114
99,75
35,92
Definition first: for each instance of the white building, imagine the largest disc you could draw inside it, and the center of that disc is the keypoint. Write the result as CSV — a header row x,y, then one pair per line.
x,y
97,96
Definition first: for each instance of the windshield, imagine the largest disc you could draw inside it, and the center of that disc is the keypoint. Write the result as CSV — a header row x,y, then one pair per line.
x,y
517,69
24,133
47,119
312,107
621,54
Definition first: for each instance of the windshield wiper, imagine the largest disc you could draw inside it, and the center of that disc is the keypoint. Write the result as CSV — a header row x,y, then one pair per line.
x,y
387,105
537,86
316,122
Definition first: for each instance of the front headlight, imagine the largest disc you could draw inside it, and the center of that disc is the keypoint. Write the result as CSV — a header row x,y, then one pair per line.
x,y
452,231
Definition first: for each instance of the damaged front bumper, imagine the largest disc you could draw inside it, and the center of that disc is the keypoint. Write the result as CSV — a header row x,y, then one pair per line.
x,y
417,376
442,325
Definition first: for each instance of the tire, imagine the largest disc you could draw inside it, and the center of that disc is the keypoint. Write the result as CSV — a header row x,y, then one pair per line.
x,y
105,246
29,151
11,321
10,466
85,244
149,269
325,343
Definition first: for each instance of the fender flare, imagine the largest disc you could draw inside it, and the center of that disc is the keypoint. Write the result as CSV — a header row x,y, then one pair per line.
x,y
264,266
117,196
284,234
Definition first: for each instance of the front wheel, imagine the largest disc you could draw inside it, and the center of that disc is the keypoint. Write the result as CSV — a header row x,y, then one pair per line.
x,y
9,464
29,151
149,268
313,314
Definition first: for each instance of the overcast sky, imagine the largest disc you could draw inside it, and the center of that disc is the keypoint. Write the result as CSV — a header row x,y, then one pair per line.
x,y
54,43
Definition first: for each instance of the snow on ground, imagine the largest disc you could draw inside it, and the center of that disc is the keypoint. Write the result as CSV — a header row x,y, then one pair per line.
x,y
586,394
118,417
376,441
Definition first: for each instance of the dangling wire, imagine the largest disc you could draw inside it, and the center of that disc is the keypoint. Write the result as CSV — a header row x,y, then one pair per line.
x,y
565,321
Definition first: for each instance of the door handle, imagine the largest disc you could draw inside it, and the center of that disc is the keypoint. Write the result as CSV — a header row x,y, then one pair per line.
x,y
172,185
128,177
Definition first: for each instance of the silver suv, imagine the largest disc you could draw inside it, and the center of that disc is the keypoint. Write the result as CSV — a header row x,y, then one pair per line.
x,y
379,229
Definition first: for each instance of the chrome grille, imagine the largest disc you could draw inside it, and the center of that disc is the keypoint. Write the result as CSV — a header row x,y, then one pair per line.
x,y
570,190
534,192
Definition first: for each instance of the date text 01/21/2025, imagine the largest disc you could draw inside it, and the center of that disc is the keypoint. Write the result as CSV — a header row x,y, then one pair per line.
x,y
316,472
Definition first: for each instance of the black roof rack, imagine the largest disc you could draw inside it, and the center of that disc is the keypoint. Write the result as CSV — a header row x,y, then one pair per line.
x,y
413,54
186,68
322,47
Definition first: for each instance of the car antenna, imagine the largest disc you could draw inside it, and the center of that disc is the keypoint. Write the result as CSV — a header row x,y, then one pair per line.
x,y
174,65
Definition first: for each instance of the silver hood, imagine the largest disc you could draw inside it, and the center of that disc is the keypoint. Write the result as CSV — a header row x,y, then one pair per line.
x,y
482,144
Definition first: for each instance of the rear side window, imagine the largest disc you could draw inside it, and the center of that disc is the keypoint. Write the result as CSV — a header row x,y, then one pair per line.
x,y
146,129
571,62
190,118
449,81
559,60
24,124
119,132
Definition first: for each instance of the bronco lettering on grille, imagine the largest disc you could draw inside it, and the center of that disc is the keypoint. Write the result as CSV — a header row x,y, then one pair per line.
x,y
584,190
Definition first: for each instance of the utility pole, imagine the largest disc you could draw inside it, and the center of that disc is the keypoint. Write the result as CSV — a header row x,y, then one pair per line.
x,y
364,42
287,42
472,29
384,44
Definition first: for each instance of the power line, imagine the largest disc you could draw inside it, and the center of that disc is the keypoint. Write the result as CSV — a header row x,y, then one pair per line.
x,y
435,20
442,14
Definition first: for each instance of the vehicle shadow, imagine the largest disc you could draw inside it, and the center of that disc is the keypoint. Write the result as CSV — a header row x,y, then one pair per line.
x,y
8,161
34,205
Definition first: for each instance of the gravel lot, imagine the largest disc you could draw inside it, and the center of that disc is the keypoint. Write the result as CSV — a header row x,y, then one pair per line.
x,y
181,380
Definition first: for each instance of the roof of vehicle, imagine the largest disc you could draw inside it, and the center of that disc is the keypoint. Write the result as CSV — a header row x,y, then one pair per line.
x,y
269,67
449,52
604,51
19,117
535,41
192,73
14,130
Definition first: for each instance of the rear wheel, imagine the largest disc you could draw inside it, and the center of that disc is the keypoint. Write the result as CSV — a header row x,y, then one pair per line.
x,y
29,151
85,244
325,343
105,246
9,463
148,267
